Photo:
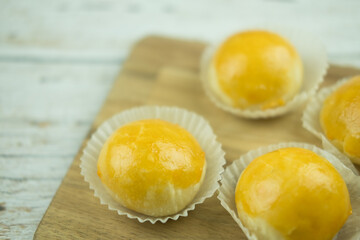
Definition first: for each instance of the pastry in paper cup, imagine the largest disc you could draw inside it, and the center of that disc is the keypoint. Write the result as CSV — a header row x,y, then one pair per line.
x,y
313,120
232,176
101,161
263,72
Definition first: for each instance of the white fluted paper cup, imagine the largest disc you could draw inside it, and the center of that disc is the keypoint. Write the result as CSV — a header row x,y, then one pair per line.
x,y
314,58
192,122
350,230
311,122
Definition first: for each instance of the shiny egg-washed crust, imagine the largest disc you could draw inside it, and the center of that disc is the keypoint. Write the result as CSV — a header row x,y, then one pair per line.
x,y
152,166
256,70
293,194
340,118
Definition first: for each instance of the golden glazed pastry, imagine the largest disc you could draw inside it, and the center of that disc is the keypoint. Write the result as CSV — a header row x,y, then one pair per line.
x,y
292,194
152,166
256,70
340,118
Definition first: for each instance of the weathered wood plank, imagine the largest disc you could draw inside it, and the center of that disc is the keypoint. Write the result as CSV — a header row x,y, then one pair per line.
x,y
105,30
45,112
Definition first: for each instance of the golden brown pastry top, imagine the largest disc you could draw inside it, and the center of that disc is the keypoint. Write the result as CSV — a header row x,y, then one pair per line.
x,y
340,117
258,68
297,192
149,153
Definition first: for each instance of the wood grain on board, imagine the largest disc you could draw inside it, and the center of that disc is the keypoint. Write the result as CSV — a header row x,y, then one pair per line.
x,y
163,71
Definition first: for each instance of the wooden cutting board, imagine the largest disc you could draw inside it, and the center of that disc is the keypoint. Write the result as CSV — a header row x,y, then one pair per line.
x,y
164,71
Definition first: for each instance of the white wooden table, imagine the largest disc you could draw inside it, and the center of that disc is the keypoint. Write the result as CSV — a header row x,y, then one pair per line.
x,y
58,59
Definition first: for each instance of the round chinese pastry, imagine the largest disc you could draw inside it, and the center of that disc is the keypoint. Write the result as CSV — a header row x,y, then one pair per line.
x,y
293,194
256,70
152,166
340,118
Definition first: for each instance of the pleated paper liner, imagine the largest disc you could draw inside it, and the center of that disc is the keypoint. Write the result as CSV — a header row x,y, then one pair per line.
x,y
192,122
311,122
313,56
350,230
